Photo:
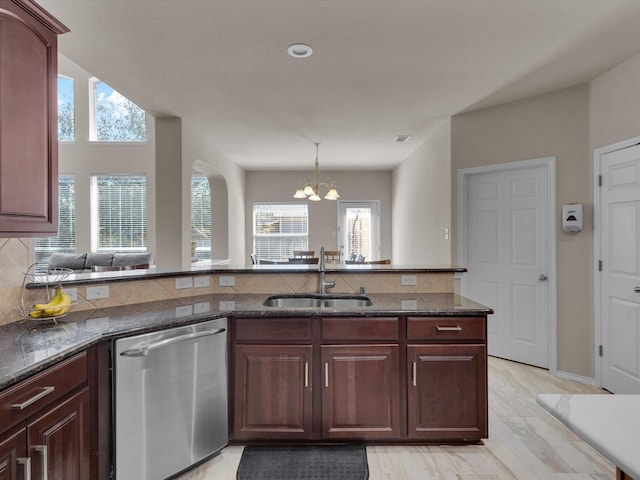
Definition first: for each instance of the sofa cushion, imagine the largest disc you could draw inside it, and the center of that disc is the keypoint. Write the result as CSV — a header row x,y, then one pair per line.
x,y
131,259
74,261
99,259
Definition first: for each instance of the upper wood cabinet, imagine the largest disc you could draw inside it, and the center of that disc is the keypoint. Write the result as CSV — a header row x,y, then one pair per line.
x,y
28,120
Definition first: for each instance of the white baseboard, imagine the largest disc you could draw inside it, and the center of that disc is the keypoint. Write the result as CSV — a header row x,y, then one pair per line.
x,y
575,378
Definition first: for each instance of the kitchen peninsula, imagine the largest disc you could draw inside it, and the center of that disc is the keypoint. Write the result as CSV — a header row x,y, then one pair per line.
x,y
410,367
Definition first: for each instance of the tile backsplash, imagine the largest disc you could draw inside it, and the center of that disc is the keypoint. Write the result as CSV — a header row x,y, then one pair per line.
x,y
16,256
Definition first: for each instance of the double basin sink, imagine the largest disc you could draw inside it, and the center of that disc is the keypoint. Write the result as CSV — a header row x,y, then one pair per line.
x,y
317,301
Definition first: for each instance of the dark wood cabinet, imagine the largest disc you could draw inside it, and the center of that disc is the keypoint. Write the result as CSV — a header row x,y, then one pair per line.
x,y
28,119
360,392
447,378
59,440
447,396
273,391
13,456
360,378
45,424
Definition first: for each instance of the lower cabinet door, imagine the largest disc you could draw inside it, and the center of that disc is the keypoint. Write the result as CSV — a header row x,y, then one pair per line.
x,y
273,392
360,392
447,392
59,440
14,463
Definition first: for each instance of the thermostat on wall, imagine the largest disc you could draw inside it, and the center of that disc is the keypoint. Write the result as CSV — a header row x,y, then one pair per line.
x,y
572,217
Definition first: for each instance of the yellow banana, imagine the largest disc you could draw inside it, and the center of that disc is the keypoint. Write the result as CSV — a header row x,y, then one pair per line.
x,y
59,305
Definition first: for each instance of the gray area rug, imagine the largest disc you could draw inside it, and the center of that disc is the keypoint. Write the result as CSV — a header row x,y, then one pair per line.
x,y
305,462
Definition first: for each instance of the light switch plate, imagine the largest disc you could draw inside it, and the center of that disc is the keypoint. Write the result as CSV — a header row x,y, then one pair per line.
x,y
408,280
184,282
227,281
95,293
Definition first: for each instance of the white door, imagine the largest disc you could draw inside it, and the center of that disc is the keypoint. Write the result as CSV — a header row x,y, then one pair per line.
x,y
620,277
358,229
507,233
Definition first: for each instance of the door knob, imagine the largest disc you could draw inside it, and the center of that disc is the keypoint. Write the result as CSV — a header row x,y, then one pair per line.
x,y
636,289
542,277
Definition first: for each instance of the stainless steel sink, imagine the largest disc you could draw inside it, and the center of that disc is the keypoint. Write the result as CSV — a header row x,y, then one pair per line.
x,y
317,301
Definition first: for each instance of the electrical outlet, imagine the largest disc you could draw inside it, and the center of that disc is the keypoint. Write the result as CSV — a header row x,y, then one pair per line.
x,y
227,281
94,293
408,280
184,311
201,307
184,282
73,293
201,281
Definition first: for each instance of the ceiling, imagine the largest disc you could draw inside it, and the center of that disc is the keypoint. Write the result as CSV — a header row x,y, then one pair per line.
x,y
380,68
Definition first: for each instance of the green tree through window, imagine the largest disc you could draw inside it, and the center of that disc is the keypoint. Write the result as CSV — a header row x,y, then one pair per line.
x,y
66,120
117,119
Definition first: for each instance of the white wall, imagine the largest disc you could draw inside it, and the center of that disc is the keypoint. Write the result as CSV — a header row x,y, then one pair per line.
x,y
554,124
615,104
279,187
421,202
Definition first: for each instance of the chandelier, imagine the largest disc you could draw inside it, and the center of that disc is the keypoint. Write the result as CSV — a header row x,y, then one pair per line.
x,y
311,190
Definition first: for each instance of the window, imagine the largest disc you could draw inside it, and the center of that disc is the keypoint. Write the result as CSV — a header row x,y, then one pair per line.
x,y
359,230
66,121
115,117
118,213
279,229
65,241
200,218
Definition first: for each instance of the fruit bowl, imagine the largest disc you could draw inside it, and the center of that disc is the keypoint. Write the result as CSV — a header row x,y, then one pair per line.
x,y
56,303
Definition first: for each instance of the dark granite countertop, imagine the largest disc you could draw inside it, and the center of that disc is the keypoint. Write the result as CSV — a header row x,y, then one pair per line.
x,y
31,346
154,273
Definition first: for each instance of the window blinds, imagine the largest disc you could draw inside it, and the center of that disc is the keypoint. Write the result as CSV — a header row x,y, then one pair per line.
x,y
279,229
121,213
65,241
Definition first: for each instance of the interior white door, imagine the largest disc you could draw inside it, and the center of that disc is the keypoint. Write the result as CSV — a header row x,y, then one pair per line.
x,y
620,278
506,251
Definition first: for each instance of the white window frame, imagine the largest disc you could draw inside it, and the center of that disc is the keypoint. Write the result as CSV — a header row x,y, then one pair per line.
x,y
304,245
94,206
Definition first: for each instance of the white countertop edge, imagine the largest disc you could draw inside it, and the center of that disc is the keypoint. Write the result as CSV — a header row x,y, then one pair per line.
x,y
609,423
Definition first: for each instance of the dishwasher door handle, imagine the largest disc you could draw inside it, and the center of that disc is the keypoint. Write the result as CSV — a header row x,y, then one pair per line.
x,y
142,351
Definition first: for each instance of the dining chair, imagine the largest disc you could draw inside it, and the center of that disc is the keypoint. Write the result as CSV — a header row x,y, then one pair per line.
x,y
304,253
332,256
304,260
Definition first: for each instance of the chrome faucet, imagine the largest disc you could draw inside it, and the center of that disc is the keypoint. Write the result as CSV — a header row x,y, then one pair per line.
x,y
324,285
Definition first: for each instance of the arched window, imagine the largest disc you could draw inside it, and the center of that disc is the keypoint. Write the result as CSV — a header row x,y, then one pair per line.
x,y
200,218
115,118
66,107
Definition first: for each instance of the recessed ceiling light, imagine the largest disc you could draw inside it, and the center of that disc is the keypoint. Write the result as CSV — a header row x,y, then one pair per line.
x,y
402,138
299,50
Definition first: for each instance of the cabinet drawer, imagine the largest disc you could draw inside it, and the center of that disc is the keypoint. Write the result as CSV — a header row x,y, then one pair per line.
x,y
446,328
273,330
20,401
358,328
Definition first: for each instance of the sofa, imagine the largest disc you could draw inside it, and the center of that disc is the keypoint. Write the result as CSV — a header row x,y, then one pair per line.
x,y
88,262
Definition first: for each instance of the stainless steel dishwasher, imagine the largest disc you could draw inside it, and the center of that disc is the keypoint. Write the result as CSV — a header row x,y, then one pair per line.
x,y
170,405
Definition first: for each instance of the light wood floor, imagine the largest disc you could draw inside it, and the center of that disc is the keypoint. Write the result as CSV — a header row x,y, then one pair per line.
x,y
525,443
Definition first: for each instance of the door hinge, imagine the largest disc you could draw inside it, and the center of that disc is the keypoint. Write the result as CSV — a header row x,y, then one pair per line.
x,y
600,350
599,265
599,180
